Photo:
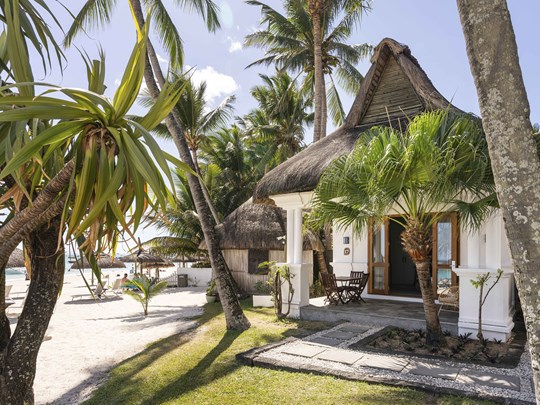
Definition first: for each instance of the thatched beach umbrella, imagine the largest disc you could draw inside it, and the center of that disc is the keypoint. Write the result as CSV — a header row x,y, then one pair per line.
x,y
105,262
16,259
147,261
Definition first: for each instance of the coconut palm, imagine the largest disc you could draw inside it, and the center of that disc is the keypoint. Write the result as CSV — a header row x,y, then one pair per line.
x,y
289,42
73,164
198,121
97,12
280,119
439,164
143,290
236,166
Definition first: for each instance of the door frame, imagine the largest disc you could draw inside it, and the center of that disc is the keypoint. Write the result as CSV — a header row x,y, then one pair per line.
x,y
434,263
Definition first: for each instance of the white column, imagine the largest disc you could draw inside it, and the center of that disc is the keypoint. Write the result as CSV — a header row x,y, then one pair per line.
x,y
290,235
298,238
473,250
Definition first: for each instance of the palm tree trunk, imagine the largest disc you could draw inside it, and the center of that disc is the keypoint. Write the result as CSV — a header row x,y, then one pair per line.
x,y
315,9
321,261
18,359
204,189
234,316
493,57
417,241
324,109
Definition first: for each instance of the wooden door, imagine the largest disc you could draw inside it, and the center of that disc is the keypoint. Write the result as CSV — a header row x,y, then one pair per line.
x,y
445,250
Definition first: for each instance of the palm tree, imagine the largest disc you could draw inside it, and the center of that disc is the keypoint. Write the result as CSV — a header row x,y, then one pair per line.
x,y
421,175
83,165
143,290
290,42
198,120
97,12
237,166
280,119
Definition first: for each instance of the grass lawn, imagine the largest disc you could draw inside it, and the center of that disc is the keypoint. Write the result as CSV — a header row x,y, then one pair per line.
x,y
200,368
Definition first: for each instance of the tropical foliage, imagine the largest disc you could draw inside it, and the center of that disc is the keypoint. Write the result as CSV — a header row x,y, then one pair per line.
x,y
143,289
280,120
288,41
439,164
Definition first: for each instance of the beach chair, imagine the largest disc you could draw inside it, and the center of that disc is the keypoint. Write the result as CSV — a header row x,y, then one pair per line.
x,y
9,301
98,292
116,288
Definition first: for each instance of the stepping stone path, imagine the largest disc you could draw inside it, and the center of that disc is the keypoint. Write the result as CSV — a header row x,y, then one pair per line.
x,y
327,352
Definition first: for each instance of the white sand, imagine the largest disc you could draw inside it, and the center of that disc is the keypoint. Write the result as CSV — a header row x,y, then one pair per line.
x,y
88,338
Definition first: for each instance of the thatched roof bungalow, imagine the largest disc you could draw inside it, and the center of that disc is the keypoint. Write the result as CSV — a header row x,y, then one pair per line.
x,y
395,88
250,235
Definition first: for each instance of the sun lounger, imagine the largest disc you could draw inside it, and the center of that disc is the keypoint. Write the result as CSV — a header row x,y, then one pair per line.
x,y
97,293
116,288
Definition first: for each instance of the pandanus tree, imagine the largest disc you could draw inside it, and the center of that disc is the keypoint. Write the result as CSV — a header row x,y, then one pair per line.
x,y
310,39
437,165
73,166
96,13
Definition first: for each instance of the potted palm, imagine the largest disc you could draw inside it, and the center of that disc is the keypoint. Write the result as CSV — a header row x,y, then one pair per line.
x,y
263,295
211,293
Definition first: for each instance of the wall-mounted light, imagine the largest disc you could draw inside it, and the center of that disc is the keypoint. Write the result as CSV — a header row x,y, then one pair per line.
x,y
346,240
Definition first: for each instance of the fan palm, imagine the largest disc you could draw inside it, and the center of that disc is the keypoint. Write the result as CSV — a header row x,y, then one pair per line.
x,y
280,119
143,290
289,42
439,164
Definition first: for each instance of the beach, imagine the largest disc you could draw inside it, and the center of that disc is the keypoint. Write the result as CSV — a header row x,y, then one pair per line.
x,y
86,338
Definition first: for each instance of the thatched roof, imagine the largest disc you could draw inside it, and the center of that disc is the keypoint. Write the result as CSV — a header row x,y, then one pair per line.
x,y
147,260
395,88
16,259
105,262
253,226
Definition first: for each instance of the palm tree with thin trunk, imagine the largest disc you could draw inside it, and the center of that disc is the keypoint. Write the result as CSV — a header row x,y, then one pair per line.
x,y
96,12
438,165
280,119
310,39
513,147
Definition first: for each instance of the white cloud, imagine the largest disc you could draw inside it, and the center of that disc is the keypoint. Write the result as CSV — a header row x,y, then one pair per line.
x,y
235,46
161,59
217,84
117,81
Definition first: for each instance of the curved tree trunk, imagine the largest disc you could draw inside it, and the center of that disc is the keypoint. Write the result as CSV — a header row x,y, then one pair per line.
x,y
321,261
417,242
234,316
493,57
315,9
204,189
19,356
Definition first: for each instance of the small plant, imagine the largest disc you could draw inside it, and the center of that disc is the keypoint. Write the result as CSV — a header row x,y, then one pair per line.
x,y
211,290
143,290
480,282
463,338
316,290
262,288
277,277
446,332
194,282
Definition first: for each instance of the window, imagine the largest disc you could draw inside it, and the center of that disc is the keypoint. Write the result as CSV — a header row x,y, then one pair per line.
x,y
256,257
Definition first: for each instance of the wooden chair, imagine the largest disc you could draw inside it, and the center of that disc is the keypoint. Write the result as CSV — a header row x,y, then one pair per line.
x,y
357,285
449,297
334,294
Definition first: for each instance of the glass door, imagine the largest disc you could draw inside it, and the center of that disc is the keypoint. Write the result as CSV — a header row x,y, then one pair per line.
x,y
378,258
445,243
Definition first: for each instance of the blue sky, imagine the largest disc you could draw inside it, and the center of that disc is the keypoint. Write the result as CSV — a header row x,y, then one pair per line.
x,y
430,28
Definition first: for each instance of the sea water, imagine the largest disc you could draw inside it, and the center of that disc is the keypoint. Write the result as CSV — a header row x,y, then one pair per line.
x,y
19,273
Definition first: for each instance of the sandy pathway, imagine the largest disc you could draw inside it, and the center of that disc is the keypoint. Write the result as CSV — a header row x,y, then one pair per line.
x,y
88,337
